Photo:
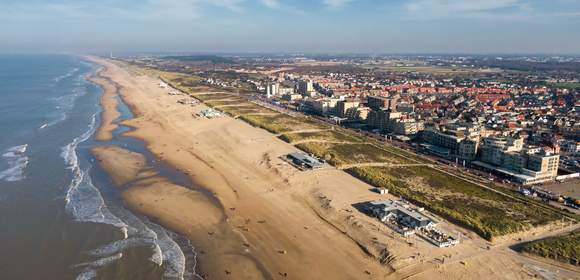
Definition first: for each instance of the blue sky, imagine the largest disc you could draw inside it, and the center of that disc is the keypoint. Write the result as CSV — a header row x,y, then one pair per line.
x,y
376,26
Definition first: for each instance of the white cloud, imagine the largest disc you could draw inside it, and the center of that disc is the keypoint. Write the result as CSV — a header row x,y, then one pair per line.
x,y
501,9
271,3
279,5
145,9
232,5
460,5
335,4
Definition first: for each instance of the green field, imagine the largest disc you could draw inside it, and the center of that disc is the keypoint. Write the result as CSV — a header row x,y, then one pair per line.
x,y
484,211
214,96
342,154
281,123
248,108
570,86
228,102
329,135
564,248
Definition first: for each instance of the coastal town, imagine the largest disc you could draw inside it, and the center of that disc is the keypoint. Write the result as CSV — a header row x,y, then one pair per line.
x,y
290,140
518,127
450,145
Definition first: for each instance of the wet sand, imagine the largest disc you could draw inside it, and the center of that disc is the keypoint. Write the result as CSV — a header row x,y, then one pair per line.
x,y
179,208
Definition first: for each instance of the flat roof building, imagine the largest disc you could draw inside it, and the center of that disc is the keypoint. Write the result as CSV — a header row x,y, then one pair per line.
x,y
382,103
400,212
305,161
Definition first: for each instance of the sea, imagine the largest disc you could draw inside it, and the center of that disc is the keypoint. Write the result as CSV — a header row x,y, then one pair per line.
x,y
60,215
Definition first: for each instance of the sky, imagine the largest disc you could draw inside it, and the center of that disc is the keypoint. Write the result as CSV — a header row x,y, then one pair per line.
x,y
291,26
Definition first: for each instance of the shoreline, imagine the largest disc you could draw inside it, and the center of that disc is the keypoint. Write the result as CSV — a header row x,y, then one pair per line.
x,y
262,247
140,186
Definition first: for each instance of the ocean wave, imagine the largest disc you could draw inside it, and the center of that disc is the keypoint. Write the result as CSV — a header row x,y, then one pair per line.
x,y
101,262
66,75
83,200
87,275
85,203
17,162
173,257
13,151
137,230
118,246
64,105
90,268
165,251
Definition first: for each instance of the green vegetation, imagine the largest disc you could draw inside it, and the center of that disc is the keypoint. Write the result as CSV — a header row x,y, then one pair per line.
x,y
281,123
329,135
404,153
178,80
243,106
569,86
246,109
488,213
201,58
343,154
564,248
214,96
227,102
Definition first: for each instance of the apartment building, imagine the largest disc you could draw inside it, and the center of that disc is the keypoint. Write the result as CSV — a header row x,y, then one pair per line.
x,y
347,109
529,165
453,141
379,103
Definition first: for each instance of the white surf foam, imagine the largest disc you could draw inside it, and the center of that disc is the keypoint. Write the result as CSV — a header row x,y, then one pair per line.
x,y
66,75
17,162
87,275
173,257
101,262
141,232
90,268
118,246
165,251
20,149
64,105
83,200
85,203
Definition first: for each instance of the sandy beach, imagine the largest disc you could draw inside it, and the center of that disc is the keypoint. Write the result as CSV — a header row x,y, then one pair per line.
x,y
262,228
263,218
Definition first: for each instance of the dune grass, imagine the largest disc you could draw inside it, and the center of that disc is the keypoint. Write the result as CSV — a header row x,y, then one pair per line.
x,y
343,154
329,135
486,212
565,248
